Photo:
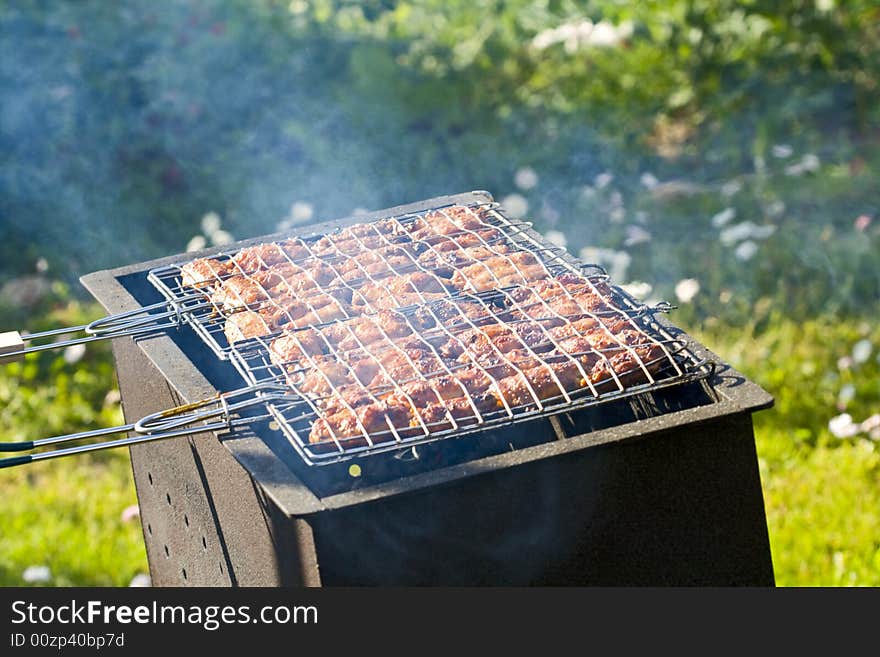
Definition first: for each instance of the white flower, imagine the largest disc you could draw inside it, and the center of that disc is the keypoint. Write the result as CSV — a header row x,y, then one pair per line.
x,y
74,353
675,189
571,34
810,162
604,34
615,262
583,32
636,235
556,237
733,234
745,230
723,217
603,180
730,188
862,351
746,250
525,178
197,243
140,580
763,232
36,574
846,395
130,513
221,237
686,289
301,211
838,559
638,289
781,151
870,424
549,213
516,205
544,39
842,426
807,163
844,363
42,265
776,208
210,223
649,180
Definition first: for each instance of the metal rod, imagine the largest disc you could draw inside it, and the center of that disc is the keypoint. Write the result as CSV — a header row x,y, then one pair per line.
x,y
132,322
94,447
170,423
33,444
49,334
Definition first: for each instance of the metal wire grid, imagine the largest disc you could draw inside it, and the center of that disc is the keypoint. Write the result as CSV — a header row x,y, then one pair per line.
x,y
253,361
207,317
673,367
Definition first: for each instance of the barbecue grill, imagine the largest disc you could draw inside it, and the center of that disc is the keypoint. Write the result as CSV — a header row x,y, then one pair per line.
x,y
641,476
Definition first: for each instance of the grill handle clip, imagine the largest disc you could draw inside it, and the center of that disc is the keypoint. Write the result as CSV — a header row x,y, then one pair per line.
x,y
133,322
212,414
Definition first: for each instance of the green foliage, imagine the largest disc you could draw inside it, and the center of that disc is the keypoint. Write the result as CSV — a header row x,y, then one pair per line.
x,y
125,124
821,492
66,516
733,143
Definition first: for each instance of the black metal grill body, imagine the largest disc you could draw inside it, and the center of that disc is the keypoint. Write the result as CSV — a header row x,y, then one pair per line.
x,y
659,489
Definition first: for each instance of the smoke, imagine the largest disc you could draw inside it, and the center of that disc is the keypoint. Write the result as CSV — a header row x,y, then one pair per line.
x,y
123,124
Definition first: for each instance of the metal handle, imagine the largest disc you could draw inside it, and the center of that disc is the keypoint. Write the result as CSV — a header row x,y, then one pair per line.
x,y
133,322
171,423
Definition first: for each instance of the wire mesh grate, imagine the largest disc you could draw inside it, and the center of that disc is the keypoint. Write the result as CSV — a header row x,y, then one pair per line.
x,y
424,326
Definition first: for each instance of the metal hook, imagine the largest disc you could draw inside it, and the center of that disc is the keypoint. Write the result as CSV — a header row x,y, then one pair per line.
x,y
171,423
133,322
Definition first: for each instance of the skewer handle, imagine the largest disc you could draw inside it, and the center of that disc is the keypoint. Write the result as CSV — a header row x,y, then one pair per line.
x,y
11,347
212,414
130,323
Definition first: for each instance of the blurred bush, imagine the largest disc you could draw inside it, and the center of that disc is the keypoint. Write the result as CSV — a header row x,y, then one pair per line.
x,y
723,155
123,124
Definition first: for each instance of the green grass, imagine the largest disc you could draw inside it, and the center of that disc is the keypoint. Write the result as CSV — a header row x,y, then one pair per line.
x,y
65,514
821,493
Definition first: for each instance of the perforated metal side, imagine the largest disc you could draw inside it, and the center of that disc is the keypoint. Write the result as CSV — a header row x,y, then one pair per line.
x,y
205,521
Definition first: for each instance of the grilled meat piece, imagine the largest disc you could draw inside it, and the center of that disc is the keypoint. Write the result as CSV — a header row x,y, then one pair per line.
x,y
379,420
288,280
378,374
519,268
518,381
409,289
281,314
208,271
244,325
203,272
